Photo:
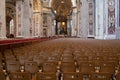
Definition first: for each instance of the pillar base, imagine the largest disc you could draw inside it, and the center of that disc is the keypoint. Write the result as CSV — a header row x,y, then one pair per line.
x,y
110,37
3,37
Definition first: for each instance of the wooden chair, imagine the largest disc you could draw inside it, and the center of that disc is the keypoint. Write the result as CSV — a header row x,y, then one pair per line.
x,y
118,76
67,59
101,76
71,76
85,76
108,67
49,67
13,66
31,67
68,67
2,76
46,76
1,65
53,59
81,59
86,67
20,76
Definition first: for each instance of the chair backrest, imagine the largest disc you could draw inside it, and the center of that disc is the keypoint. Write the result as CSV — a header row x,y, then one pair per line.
x,y
85,76
71,76
67,55
97,58
0,65
53,59
118,76
87,67
2,76
13,66
20,76
81,59
108,67
31,67
102,76
22,59
68,67
40,59
67,59
46,76
112,58
50,67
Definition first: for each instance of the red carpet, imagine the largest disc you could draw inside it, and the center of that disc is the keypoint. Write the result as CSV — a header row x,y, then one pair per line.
x,y
15,41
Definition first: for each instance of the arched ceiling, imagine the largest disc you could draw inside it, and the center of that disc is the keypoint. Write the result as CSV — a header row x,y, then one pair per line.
x,y
62,8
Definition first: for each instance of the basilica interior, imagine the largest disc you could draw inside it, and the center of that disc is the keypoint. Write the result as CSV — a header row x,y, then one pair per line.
x,y
59,40
47,18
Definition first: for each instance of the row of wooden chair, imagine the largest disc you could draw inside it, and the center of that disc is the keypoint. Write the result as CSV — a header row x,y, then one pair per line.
x,y
64,59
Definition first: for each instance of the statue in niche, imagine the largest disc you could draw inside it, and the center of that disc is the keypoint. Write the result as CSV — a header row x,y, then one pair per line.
x,y
111,29
111,13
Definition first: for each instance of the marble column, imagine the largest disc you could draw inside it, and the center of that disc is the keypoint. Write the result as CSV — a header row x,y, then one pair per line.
x,y
91,18
69,27
56,28
99,12
53,26
78,23
50,26
118,19
116,13
26,18
78,18
19,15
36,24
74,23
41,18
84,19
14,26
105,18
2,19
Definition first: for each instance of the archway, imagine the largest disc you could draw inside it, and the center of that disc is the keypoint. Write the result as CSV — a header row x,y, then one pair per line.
x,y
10,19
62,9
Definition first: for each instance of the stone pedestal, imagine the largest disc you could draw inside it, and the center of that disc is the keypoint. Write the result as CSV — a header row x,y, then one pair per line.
x,y
2,19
